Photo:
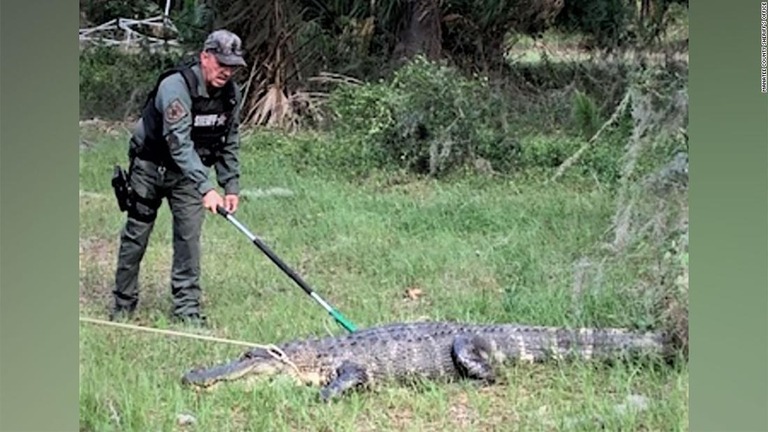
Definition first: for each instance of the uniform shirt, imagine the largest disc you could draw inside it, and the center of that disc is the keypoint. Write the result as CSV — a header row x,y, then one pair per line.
x,y
175,103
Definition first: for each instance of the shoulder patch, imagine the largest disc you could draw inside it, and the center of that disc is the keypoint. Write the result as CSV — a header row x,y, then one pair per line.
x,y
175,111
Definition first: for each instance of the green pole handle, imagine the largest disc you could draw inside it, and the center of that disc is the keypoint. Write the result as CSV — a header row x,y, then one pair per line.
x,y
343,321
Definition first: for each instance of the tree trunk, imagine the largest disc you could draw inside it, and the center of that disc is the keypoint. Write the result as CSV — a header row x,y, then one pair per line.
x,y
420,31
646,10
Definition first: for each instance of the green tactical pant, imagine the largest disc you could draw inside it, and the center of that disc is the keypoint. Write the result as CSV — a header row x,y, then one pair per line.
x,y
150,185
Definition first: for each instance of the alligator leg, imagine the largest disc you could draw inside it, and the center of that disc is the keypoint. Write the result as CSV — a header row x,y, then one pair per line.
x,y
348,376
471,354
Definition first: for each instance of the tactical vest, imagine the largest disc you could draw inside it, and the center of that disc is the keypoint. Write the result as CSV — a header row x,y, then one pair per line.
x,y
211,120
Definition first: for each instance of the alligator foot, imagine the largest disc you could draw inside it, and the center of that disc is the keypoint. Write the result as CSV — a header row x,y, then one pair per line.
x,y
470,355
349,375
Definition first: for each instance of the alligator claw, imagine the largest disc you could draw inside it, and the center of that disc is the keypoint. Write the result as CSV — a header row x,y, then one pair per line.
x,y
348,376
466,353
325,395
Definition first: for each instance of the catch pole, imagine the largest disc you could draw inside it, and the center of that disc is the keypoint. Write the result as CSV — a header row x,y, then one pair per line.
x,y
296,278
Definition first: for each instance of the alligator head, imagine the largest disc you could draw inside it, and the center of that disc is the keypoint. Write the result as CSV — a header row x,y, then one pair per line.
x,y
259,363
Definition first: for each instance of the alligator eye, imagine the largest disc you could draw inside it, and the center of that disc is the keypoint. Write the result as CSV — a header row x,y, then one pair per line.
x,y
248,355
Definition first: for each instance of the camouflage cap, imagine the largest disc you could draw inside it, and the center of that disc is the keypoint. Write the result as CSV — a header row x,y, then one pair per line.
x,y
226,46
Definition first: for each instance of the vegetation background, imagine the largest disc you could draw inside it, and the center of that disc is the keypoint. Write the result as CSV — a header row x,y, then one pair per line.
x,y
477,160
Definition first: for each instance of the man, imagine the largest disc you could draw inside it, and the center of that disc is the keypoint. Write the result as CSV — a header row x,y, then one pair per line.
x,y
189,124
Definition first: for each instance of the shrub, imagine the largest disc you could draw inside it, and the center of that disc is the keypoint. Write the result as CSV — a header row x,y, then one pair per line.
x,y
114,83
428,119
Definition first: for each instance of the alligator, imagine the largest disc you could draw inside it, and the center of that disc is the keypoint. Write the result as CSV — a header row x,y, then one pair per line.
x,y
425,350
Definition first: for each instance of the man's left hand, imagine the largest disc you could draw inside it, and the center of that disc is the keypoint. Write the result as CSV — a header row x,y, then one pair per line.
x,y
230,203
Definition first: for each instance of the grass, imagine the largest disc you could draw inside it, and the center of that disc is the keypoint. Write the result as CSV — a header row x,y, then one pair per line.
x,y
476,249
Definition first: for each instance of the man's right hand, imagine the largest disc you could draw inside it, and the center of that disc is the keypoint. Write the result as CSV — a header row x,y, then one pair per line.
x,y
212,200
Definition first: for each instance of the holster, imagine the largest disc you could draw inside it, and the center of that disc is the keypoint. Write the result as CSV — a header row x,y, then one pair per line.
x,y
122,188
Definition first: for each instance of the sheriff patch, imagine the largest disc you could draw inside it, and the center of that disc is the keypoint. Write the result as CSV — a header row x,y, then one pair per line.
x,y
210,120
175,112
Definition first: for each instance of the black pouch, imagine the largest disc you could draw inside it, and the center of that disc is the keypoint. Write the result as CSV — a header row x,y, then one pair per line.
x,y
122,188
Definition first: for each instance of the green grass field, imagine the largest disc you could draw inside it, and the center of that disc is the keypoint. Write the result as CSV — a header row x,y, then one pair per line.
x,y
380,250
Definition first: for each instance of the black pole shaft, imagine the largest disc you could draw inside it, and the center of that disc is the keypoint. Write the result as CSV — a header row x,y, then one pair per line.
x,y
287,270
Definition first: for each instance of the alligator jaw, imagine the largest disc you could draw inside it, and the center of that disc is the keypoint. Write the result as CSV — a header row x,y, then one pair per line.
x,y
254,365
207,378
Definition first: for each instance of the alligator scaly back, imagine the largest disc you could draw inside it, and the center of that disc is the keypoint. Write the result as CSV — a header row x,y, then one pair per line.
x,y
426,350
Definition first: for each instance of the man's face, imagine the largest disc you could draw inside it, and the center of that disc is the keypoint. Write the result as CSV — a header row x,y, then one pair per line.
x,y
215,73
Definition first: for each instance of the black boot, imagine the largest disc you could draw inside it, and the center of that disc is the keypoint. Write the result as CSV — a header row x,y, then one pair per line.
x,y
121,313
194,319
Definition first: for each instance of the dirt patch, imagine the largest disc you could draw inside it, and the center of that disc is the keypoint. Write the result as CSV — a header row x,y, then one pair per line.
x,y
94,130
462,413
97,263
98,260
399,418
98,251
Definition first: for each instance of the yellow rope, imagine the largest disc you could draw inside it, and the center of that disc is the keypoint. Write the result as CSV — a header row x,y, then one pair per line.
x,y
271,349
171,332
